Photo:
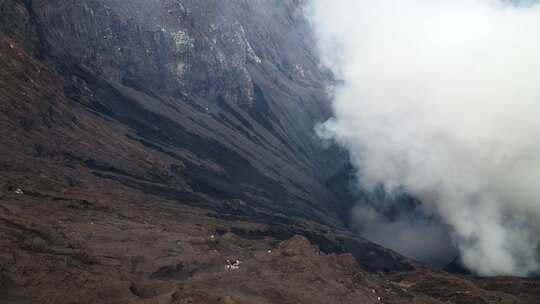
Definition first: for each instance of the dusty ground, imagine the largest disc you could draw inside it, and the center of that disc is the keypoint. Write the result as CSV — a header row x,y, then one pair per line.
x,y
126,247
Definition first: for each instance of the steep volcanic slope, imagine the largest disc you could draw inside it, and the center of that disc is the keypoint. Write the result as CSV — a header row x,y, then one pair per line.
x,y
186,110
145,143
231,85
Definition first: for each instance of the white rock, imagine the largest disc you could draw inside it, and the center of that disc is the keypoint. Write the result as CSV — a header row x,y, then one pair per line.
x,y
233,265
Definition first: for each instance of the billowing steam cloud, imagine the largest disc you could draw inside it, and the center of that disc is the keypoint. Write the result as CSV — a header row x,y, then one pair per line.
x,y
441,99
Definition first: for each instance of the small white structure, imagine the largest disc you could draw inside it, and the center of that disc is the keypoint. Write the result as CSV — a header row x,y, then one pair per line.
x,y
232,265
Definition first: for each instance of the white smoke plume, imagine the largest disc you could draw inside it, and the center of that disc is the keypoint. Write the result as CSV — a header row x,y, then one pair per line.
x,y
441,99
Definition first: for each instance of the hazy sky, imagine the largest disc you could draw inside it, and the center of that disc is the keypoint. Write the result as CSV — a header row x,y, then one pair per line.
x,y
442,98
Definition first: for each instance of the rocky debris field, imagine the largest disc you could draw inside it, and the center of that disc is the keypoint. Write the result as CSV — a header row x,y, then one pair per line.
x,y
136,248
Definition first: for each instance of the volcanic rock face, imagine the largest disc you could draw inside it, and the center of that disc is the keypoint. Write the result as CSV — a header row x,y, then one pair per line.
x,y
145,143
230,90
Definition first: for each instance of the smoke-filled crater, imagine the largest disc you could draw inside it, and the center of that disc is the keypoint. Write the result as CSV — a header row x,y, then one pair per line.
x,y
440,100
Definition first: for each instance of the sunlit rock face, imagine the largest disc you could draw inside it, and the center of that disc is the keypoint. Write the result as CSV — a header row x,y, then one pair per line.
x,y
208,49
